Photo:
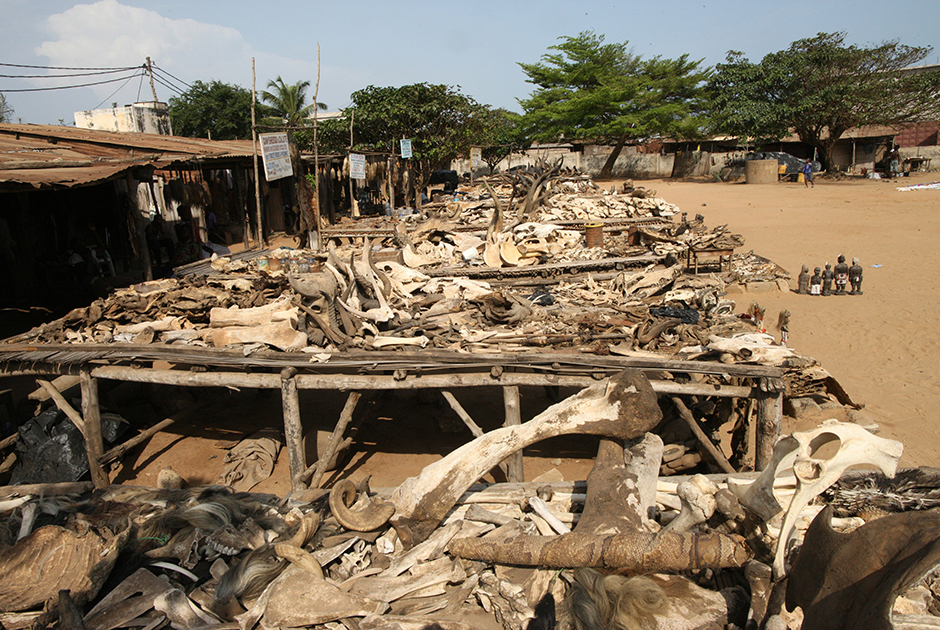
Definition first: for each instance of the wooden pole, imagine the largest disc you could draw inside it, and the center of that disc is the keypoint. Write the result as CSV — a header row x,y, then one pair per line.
x,y
254,151
344,419
150,72
353,204
94,443
293,428
769,418
703,439
63,405
314,235
467,420
514,468
47,489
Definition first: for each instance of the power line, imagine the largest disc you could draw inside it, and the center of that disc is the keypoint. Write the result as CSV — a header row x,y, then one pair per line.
x,y
17,65
119,89
168,86
60,76
66,87
177,78
168,80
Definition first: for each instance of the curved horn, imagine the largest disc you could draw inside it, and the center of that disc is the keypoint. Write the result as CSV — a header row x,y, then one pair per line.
x,y
365,514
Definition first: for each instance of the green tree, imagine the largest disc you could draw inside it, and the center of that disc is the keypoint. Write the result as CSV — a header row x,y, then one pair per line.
x,y
289,102
216,109
441,122
589,90
819,88
501,133
6,110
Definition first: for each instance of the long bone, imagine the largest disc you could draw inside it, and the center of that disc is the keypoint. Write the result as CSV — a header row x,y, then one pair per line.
x,y
624,407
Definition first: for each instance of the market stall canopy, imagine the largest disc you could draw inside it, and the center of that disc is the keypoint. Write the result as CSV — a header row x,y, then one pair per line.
x,y
50,156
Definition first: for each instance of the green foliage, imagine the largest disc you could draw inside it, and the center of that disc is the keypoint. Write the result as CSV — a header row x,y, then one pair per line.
x,y
215,108
589,90
6,110
441,122
501,133
288,102
820,87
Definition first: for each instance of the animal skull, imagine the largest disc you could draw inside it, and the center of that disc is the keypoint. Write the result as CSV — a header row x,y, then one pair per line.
x,y
815,474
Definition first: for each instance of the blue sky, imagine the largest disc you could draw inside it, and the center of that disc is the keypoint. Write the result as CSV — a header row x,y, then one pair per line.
x,y
472,44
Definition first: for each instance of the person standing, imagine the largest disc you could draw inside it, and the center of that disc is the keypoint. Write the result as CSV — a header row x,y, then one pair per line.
x,y
808,174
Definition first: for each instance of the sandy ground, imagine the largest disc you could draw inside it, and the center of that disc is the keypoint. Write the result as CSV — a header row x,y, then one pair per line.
x,y
879,345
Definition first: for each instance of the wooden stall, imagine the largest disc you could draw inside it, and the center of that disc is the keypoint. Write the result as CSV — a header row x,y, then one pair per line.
x,y
360,371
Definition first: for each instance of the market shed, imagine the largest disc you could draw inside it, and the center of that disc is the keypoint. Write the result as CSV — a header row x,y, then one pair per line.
x,y
63,188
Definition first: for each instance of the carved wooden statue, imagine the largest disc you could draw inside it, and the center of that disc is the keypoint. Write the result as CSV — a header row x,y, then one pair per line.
x,y
815,283
842,275
855,277
827,278
803,284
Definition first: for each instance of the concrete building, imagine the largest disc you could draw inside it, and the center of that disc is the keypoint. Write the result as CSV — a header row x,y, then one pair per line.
x,y
148,117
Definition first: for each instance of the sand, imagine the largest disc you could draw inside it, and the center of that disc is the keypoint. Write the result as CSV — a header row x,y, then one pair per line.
x,y
880,345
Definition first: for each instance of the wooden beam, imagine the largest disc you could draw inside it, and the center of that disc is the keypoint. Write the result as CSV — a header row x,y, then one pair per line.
x,y
293,429
381,382
119,450
467,420
344,419
514,468
94,443
63,405
703,439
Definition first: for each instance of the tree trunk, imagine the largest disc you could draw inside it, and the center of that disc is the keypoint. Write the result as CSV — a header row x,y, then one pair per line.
x,y
609,165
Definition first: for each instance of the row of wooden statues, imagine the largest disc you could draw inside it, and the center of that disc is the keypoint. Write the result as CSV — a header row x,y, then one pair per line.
x,y
821,283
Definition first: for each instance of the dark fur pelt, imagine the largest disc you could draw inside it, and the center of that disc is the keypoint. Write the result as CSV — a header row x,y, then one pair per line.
x,y
544,614
613,602
251,574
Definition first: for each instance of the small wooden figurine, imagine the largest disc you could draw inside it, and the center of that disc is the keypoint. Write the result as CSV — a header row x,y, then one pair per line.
x,y
803,283
855,277
842,275
827,277
815,283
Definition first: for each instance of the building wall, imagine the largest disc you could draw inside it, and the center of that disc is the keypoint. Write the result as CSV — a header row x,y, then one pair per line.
x,y
925,134
140,117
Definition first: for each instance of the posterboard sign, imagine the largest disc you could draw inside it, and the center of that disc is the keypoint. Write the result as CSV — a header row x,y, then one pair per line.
x,y
275,153
405,148
357,166
476,157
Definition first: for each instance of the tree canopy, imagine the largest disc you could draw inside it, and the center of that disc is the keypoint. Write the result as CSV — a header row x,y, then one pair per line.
x,y
589,90
501,133
820,87
289,102
440,121
218,109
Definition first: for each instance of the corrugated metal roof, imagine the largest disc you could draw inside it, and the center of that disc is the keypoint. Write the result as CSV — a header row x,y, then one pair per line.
x,y
49,156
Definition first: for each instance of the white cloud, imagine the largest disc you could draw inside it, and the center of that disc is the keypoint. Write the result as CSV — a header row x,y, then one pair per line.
x,y
110,34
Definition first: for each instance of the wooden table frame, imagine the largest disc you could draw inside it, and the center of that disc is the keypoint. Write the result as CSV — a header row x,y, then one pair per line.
x,y
696,257
364,371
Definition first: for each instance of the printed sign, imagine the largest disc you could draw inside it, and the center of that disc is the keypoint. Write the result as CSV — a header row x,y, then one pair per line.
x,y
405,148
357,166
275,153
476,157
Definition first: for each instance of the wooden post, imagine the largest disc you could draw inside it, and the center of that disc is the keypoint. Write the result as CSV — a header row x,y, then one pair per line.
x,y
703,439
314,235
514,468
254,151
769,417
293,429
94,443
344,419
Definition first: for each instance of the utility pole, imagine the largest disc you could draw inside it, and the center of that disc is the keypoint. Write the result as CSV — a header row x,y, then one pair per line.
x,y
150,71
254,149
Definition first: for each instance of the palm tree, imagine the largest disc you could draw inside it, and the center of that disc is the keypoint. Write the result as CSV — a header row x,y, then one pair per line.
x,y
6,110
288,101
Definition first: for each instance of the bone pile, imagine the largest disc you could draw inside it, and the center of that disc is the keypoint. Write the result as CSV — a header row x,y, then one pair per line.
x,y
710,548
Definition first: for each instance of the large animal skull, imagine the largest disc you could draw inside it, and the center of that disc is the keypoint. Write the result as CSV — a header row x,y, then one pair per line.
x,y
814,474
